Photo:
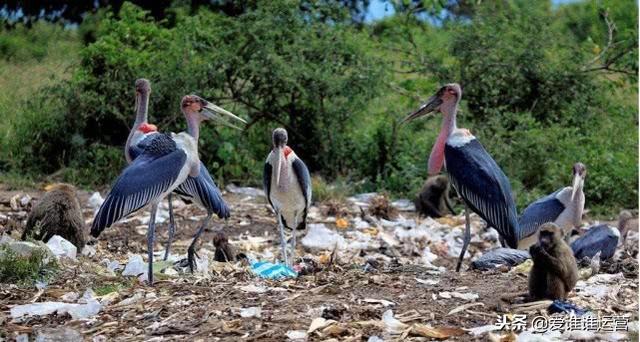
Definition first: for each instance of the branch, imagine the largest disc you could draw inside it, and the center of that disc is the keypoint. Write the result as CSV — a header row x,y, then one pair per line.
x,y
610,27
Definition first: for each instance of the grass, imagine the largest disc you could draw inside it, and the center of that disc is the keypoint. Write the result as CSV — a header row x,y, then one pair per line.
x,y
26,270
21,77
334,191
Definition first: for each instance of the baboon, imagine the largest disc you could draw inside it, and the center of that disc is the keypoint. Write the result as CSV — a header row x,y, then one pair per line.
x,y
224,251
554,272
57,213
433,197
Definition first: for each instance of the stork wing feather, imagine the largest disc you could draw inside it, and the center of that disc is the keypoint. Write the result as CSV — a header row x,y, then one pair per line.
x,y
484,187
149,175
205,192
304,179
266,181
543,210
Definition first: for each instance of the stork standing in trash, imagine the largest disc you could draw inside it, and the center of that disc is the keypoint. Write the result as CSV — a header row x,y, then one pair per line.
x,y
201,189
287,185
164,163
473,173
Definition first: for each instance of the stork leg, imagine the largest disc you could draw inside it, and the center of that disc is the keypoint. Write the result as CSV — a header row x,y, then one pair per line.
x,y
191,252
283,240
467,237
293,248
172,228
150,238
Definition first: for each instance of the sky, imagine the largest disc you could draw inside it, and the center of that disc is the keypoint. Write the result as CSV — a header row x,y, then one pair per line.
x,y
379,9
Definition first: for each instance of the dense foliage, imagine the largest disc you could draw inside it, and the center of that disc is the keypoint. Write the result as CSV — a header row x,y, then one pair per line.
x,y
543,87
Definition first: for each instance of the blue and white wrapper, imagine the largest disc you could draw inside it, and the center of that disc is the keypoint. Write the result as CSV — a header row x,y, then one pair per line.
x,y
269,270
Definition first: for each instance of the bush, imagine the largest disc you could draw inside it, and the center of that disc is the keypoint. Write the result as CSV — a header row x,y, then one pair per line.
x,y
541,90
271,64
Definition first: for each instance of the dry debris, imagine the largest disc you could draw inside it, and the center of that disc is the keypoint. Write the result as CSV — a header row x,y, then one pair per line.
x,y
375,279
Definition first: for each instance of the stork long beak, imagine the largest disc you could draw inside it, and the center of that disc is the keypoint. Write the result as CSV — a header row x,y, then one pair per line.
x,y
577,179
218,114
279,151
428,107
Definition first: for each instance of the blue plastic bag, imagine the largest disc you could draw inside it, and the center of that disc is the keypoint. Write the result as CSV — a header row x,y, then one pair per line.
x,y
269,270
559,306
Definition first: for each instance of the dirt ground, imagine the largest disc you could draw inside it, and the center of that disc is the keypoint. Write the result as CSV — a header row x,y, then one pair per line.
x,y
346,297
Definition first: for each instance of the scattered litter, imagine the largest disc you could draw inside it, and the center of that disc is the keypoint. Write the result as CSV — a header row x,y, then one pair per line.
x,y
269,270
247,191
70,296
477,331
463,307
255,311
383,302
392,325
297,335
342,223
559,306
464,296
375,339
524,268
500,256
362,200
598,239
135,266
427,281
321,237
131,300
404,204
62,248
95,201
58,334
319,323
113,266
77,311
254,288
88,251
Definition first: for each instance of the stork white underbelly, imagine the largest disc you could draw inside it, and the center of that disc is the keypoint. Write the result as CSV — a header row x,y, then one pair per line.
x,y
289,203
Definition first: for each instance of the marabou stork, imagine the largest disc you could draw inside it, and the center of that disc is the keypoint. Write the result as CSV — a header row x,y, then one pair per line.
x,y
162,164
287,185
473,173
201,189
563,207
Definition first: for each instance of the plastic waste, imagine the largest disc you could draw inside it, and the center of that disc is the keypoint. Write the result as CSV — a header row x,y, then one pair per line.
x,y
269,270
88,308
255,311
297,335
95,201
500,256
404,204
58,334
62,248
253,192
465,296
392,325
135,266
601,238
559,306
321,237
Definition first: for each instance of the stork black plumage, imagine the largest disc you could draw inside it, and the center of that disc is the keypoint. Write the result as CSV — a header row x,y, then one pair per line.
x,y
477,178
201,188
287,185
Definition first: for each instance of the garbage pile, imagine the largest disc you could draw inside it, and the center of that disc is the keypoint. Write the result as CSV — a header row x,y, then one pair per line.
x,y
358,277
